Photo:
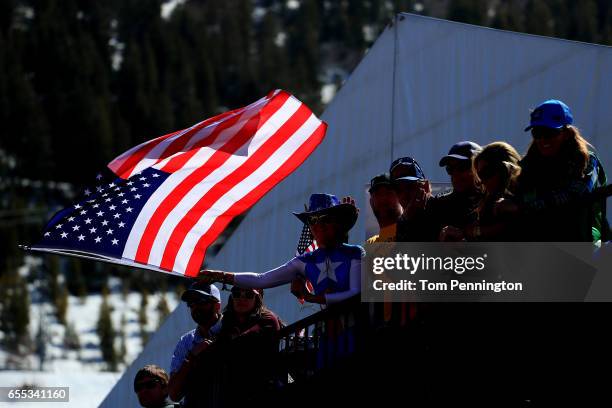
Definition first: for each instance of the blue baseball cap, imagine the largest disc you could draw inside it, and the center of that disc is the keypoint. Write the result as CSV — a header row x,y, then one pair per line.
x,y
551,114
461,151
411,172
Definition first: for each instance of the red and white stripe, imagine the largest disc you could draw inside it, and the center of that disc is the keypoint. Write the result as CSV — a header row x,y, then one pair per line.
x,y
218,168
313,246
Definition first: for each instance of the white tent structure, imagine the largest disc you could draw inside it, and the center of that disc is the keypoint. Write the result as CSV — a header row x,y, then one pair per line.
x,y
424,85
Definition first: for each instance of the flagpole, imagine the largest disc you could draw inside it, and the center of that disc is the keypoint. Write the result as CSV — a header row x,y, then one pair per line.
x,y
81,255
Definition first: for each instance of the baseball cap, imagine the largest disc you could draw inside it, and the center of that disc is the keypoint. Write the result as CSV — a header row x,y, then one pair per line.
x,y
383,179
201,290
551,114
461,151
411,172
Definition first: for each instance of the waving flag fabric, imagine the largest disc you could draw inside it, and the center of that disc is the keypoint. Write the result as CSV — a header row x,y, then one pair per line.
x,y
306,244
175,194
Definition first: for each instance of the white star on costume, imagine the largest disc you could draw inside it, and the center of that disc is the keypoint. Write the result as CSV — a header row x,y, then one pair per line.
x,y
327,270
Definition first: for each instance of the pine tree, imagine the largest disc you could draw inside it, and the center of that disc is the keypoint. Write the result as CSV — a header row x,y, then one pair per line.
x,y
77,284
272,64
144,301
71,338
105,290
131,86
606,30
122,345
24,119
40,347
509,15
162,309
125,287
468,11
142,316
53,279
585,21
402,6
178,290
562,20
538,18
61,304
106,333
72,81
303,50
14,313
356,20
7,8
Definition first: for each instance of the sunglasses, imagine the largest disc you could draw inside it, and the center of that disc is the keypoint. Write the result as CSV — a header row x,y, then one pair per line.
x,y
198,302
544,133
320,219
145,384
244,294
458,167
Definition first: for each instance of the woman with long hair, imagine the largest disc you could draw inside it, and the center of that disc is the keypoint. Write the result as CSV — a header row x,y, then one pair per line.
x,y
496,168
559,174
246,347
240,364
245,314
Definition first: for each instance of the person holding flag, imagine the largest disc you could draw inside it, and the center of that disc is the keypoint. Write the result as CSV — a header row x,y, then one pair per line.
x,y
334,268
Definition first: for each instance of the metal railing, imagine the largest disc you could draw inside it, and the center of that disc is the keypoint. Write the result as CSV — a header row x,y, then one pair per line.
x,y
321,340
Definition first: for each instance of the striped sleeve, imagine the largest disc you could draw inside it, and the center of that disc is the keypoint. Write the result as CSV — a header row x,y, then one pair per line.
x,y
270,279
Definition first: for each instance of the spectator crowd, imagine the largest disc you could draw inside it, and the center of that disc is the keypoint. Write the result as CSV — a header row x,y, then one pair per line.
x,y
556,192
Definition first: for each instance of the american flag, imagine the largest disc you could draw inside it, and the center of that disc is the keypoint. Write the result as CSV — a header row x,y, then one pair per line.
x,y
306,244
175,194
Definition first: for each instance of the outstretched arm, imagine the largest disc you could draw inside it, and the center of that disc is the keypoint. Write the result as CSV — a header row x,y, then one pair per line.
x,y
272,278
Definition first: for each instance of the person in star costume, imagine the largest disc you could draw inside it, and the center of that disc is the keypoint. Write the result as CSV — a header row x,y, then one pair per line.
x,y
334,268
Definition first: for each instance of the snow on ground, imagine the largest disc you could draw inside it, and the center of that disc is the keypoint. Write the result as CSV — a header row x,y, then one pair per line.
x,y
328,91
83,370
